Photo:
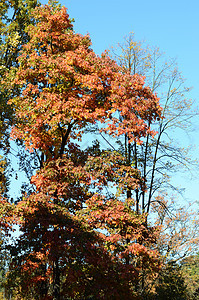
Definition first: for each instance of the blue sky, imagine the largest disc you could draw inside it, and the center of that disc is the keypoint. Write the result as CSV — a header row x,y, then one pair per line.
x,y
170,25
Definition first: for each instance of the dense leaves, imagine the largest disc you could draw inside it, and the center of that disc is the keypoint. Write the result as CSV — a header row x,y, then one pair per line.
x,y
65,87
81,234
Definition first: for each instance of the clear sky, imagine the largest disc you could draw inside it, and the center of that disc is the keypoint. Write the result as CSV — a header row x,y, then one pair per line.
x,y
171,25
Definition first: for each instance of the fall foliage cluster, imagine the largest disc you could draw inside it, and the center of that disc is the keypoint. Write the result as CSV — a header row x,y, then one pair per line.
x,y
84,219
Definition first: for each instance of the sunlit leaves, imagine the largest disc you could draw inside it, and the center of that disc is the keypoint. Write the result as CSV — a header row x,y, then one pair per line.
x,y
79,226
64,82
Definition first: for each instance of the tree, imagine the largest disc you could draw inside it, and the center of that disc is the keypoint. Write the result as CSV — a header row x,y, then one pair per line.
x,y
14,17
64,89
159,156
178,229
189,266
171,283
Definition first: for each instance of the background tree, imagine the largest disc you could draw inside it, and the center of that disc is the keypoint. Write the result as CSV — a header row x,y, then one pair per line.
x,y
171,283
157,158
189,267
14,17
178,228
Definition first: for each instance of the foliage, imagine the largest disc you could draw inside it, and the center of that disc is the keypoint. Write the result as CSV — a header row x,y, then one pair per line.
x,y
6,222
82,233
178,228
171,283
14,17
190,272
75,239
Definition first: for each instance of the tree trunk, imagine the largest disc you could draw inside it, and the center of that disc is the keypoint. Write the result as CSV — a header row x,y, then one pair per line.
x,y
56,280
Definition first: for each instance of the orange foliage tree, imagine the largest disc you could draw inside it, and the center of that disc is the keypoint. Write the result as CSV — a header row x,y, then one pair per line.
x,y
76,239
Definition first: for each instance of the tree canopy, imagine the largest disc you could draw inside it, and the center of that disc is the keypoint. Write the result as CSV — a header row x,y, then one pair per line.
x,y
82,233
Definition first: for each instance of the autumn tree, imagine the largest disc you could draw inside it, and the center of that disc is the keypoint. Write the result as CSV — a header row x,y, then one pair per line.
x,y
178,228
76,239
